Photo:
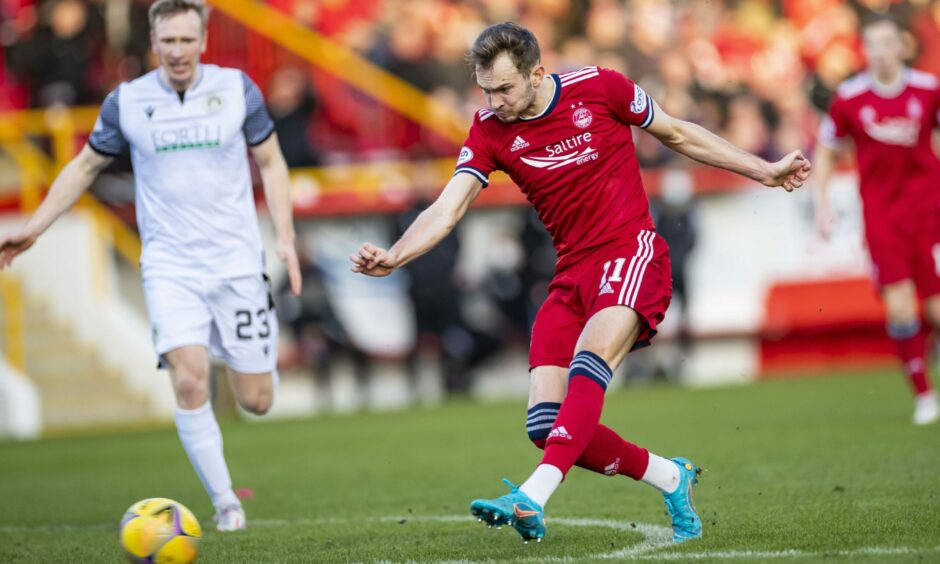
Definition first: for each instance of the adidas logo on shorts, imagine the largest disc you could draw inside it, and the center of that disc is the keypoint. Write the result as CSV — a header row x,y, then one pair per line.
x,y
606,289
519,143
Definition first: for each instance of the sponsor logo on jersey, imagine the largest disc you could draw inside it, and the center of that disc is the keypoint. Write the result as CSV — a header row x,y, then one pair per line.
x,y
902,131
560,433
196,136
565,152
519,143
582,117
465,155
638,105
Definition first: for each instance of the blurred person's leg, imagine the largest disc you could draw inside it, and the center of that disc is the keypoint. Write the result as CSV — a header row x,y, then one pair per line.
x,y
927,283
362,367
901,263
905,329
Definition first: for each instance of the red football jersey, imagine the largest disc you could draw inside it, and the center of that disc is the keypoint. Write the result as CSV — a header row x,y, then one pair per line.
x,y
575,161
899,172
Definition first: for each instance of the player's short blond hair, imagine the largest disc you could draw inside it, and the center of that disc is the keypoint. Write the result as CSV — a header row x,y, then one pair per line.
x,y
519,42
165,8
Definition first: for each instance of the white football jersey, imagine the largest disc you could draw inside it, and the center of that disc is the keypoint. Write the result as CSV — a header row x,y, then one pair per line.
x,y
195,208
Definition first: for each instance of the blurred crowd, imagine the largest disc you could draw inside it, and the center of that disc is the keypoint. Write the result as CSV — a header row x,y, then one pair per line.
x,y
750,69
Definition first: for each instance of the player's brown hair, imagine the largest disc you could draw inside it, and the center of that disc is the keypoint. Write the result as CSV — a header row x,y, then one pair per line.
x,y
164,8
508,37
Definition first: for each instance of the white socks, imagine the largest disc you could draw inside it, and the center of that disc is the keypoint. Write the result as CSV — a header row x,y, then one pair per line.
x,y
542,483
202,440
662,474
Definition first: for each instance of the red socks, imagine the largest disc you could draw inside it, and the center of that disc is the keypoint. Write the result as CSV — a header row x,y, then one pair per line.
x,y
570,433
911,345
609,454
577,421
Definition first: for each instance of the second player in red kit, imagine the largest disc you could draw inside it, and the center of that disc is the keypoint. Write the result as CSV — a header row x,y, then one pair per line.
x,y
566,141
890,112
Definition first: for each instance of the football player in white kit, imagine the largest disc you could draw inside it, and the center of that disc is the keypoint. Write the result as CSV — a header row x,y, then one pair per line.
x,y
187,125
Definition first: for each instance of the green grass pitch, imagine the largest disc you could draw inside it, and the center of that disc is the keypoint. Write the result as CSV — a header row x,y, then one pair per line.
x,y
806,470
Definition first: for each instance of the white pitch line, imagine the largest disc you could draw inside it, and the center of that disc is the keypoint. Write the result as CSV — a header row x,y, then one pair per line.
x,y
655,539
771,554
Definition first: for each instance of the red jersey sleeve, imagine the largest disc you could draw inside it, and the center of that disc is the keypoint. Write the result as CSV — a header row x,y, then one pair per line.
x,y
628,101
475,157
834,125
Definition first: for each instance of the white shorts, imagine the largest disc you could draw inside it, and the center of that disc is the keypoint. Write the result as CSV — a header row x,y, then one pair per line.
x,y
234,318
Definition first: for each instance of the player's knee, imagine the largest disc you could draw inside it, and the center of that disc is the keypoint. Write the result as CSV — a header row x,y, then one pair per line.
x,y
539,421
258,404
901,304
191,392
901,329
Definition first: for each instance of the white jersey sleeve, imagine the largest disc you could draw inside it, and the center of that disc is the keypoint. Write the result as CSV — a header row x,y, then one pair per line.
x,y
258,125
106,138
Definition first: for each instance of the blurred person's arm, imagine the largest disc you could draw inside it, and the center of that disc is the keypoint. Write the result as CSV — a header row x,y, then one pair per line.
x,y
824,159
276,181
699,144
430,227
74,179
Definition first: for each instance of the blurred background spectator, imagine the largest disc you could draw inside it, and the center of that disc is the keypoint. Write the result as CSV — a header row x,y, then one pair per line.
x,y
740,67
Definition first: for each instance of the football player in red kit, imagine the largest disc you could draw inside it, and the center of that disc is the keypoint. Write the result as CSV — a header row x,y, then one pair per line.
x,y
889,112
566,141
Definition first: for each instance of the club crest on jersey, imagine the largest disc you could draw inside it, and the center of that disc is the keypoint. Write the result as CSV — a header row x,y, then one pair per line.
x,y
465,155
149,111
638,105
582,117
914,108
214,103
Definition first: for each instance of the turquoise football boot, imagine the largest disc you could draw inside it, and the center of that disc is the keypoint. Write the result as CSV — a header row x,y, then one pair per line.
x,y
686,524
514,508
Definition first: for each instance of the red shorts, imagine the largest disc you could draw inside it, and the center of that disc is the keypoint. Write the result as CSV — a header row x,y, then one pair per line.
x,y
906,256
634,272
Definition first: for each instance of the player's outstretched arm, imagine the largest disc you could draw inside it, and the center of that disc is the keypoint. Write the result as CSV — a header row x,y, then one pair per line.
x,y
74,179
427,230
698,143
276,181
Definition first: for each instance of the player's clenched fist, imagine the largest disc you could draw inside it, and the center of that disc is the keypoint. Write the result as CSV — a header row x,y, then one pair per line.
x,y
790,172
373,261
